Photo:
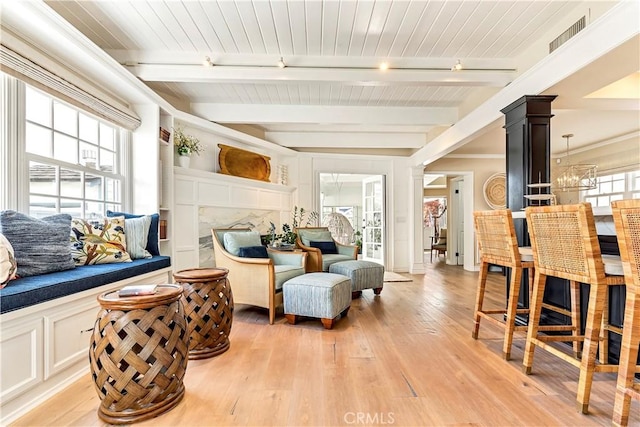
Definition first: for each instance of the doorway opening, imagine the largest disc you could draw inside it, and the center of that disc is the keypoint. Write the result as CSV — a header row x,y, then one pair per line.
x,y
353,206
434,219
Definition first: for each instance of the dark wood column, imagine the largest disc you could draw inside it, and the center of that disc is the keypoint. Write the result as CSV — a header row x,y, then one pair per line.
x,y
528,129
528,138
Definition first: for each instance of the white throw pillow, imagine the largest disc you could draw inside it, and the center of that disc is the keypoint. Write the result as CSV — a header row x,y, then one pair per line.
x,y
136,235
8,265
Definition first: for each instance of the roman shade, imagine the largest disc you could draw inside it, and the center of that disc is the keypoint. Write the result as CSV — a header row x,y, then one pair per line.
x,y
20,67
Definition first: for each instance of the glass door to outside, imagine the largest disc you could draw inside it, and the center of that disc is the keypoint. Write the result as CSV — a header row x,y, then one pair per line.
x,y
373,219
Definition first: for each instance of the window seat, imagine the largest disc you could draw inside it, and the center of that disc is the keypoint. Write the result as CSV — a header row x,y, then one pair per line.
x,y
46,323
21,293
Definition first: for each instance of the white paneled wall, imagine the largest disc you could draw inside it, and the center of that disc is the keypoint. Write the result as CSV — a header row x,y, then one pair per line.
x,y
197,191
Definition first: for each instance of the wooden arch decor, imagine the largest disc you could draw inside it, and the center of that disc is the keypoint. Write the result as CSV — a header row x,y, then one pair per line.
x,y
246,164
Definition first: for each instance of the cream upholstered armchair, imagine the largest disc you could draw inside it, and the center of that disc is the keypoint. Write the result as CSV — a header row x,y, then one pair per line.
x,y
323,250
256,274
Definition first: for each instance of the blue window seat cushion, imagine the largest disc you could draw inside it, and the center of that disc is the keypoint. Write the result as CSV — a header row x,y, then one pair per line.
x,y
27,291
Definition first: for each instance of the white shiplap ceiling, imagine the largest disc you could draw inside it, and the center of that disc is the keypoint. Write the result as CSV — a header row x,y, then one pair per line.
x,y
330,94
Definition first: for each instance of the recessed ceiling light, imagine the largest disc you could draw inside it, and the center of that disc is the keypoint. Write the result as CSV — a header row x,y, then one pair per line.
x,y
384,66
457,66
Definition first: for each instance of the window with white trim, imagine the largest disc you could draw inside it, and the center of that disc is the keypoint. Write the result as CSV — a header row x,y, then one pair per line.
x,y
618,186
74,160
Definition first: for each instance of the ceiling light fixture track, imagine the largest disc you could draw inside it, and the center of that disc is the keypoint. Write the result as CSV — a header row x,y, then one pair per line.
x,y
383,66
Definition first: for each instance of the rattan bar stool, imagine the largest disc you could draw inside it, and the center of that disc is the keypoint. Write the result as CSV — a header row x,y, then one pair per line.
x,y
565,245
626,215
499,246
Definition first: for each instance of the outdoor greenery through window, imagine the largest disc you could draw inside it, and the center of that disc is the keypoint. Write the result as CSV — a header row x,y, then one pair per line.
x,y
619,186
74,160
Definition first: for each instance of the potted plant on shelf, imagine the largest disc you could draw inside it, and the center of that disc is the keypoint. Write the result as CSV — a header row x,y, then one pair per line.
x,y
186,145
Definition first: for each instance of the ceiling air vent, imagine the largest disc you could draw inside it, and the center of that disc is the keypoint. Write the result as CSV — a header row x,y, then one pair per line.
x,y
570,32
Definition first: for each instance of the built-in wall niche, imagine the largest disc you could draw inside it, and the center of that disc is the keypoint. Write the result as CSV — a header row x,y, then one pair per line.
x,y
218,217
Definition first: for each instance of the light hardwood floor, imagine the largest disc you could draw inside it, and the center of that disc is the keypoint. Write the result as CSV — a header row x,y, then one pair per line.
x,y
405,358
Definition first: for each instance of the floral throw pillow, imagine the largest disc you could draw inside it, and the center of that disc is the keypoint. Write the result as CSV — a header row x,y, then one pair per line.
x,y
8,263
98,242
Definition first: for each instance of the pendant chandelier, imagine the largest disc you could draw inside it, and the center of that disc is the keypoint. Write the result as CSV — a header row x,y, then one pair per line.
x,y
576,177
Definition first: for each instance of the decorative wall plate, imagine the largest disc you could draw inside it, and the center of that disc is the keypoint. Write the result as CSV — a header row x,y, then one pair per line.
x,y
495,191
238,162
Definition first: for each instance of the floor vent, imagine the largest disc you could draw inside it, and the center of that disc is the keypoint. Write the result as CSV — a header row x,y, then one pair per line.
x,y
570,32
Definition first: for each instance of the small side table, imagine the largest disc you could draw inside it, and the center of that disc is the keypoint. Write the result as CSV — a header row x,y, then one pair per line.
x,y
208,305
138,354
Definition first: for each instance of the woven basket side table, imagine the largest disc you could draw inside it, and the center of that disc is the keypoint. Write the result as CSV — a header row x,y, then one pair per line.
x,y
208,306
138,354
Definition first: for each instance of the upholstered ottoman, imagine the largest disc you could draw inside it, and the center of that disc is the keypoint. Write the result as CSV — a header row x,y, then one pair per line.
x,y
319,295
363,275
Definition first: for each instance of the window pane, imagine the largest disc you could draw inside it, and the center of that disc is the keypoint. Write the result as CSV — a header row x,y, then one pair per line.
x,y
616,197
606,187
38,107
106,161
65,148
65,119
64,133
40,206
618,186
70,183
112,190
603,201
593,191
92,187
42,179
38,140
113,207
88,129
107,137
71,207
93,210
88,155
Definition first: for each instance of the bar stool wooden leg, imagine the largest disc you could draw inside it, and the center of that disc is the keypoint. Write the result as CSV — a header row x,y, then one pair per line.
x,y
597,296
512,306
482,284
628,357
530,275
535,309
574,289
603,354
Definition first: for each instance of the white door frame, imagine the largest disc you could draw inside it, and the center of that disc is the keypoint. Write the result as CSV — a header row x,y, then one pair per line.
x,y
387,208
453,238
469,234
